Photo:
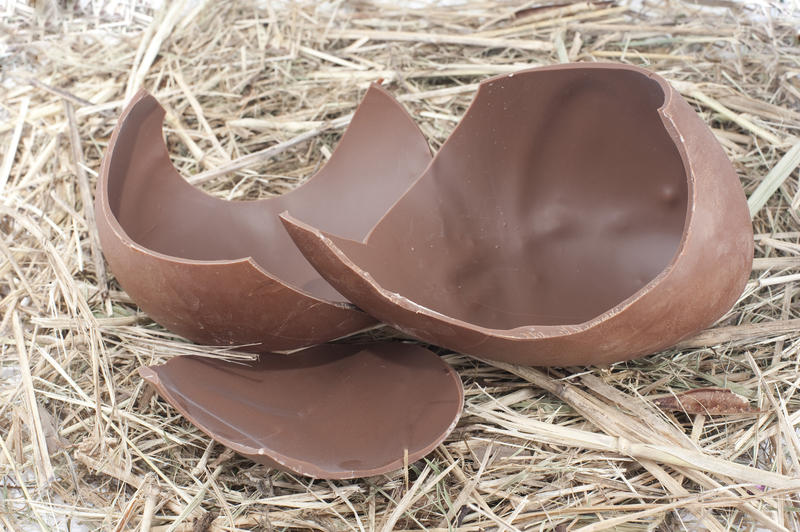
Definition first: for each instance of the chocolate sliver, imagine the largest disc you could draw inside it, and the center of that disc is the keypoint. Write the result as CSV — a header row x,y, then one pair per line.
x,y
578,214
330,411
225,272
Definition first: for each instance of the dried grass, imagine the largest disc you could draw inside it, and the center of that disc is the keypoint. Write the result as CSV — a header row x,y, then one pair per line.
x,y
256,100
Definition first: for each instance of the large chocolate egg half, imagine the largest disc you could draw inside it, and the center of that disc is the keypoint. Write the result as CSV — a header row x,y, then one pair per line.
x,y
578,214
226,273
329,411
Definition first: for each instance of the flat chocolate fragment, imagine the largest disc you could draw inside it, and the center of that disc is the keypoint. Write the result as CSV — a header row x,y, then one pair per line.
x,y
330,411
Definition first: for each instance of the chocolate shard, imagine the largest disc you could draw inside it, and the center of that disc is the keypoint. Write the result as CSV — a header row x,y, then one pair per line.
x,y
331,411
709,401
225,272
579,214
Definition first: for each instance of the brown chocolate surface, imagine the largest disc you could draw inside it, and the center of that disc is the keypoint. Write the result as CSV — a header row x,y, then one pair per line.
x,y
578,214
331,411
224,273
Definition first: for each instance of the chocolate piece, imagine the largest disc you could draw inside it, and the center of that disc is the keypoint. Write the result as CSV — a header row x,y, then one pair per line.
x,y
707,401
330,411
226,273
578,214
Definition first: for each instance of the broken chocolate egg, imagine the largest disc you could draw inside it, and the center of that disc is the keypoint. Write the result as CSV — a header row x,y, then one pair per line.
x,y
578,214
225,272
332,411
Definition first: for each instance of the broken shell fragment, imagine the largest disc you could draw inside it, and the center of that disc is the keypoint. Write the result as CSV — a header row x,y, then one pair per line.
x,y
330,411
226,273
578,214
706,401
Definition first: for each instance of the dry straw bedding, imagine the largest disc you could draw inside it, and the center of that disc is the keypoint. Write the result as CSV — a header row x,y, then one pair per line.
x,y
82,440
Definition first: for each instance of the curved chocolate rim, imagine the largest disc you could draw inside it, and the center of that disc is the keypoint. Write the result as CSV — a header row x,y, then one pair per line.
x,y
103,201
297,227
303,467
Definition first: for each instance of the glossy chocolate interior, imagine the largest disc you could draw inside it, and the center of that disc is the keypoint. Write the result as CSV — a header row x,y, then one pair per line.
x,y
558,196
163,213
331,411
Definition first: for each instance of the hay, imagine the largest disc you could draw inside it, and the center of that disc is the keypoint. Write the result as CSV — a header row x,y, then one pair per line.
x,y
256,100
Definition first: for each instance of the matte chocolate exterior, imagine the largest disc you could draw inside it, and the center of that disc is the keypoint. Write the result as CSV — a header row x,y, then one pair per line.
x,y
226,273
330,411
578,214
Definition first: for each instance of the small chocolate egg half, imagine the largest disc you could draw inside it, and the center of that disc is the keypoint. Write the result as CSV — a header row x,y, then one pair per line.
x,y
225,272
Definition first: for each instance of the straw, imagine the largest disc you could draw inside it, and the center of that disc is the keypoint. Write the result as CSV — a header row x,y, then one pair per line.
x,y
256,99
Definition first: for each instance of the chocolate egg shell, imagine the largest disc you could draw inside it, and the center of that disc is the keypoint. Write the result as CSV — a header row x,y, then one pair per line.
x,y
226,273
578,214
330,411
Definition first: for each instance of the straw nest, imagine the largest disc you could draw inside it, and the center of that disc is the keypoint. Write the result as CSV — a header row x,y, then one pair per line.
x,y
256,100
